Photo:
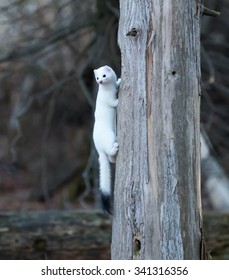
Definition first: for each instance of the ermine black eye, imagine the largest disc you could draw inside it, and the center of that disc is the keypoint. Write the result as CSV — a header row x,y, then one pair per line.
x,y
97,78
104,76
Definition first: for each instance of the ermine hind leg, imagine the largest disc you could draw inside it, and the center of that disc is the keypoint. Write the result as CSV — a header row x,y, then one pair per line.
x,y
113,152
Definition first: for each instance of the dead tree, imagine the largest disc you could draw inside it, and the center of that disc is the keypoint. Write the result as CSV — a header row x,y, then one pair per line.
x,y
157,205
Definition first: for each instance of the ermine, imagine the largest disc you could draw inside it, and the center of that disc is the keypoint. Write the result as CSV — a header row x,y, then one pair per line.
x,y
104,133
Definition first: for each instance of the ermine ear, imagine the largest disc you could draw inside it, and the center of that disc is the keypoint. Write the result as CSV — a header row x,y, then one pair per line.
x,y
107,68
95,72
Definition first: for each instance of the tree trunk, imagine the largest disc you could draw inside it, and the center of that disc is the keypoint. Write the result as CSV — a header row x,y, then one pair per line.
x,y
157,204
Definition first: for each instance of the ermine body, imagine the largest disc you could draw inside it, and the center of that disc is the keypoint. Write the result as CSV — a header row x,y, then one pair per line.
x,y
104,133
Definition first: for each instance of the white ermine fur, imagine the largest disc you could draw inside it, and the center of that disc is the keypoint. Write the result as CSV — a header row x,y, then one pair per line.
x,y
104,133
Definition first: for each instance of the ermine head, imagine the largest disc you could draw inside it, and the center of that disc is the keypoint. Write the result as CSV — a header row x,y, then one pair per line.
x,y
105,75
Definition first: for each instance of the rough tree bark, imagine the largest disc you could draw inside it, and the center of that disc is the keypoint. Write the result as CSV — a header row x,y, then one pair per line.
x,y
157,206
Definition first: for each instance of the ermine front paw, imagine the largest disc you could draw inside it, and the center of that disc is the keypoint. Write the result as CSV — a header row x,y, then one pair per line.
x,y
118,82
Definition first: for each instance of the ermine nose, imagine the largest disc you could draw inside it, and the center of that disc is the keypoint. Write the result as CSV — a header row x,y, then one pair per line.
x,y
101,82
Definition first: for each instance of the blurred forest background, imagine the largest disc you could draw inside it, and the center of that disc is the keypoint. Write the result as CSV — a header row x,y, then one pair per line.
x,y
48,50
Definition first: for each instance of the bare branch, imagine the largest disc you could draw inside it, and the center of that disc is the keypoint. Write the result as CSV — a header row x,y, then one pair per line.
x,y
59,35
208,12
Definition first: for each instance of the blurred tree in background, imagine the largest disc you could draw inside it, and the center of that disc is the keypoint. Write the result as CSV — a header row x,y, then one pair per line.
x,y
48,51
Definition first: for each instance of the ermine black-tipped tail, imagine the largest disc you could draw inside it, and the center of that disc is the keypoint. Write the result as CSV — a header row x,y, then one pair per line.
x,y
106,204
